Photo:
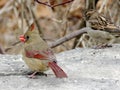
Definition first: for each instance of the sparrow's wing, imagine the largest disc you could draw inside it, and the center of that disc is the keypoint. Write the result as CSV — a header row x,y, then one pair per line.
x,y
42,55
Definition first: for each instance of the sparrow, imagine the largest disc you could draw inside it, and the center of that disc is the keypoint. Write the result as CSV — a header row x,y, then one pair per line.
x,y
37,54
104,32
98,21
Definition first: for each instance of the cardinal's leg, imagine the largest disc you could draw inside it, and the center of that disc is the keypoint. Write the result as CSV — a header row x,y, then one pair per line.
x,y
33,75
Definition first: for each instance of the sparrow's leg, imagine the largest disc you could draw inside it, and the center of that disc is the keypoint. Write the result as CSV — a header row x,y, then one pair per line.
x,y
102,46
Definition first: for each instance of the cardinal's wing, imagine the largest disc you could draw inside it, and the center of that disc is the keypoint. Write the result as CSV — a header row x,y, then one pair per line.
x,y
42,55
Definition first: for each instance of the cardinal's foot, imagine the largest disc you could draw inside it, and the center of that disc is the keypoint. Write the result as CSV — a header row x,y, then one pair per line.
x,y
33,74
41,74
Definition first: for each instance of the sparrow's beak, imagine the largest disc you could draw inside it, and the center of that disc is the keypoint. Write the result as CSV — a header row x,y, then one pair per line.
x,y
22,38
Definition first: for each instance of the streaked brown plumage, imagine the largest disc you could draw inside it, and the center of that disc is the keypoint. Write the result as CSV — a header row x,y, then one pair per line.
x,y
98,21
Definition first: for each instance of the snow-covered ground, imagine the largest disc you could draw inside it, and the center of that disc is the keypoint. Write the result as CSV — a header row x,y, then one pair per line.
x,y
87,69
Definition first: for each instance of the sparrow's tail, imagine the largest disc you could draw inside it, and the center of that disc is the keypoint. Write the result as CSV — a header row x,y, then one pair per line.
x,y
59,73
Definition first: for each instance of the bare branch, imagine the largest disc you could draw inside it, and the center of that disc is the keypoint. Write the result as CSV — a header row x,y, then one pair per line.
x,y
68,37
7,7
52,6
36,22
46,4
62,3
102,6
22,15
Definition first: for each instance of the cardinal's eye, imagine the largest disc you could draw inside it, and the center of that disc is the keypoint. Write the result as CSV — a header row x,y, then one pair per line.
x,y
27,37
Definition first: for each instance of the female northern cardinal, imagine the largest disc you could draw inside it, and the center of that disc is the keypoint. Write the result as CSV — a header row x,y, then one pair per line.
x,y
37,54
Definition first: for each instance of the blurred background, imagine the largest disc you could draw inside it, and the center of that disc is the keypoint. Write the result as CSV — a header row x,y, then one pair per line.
x,y
54,23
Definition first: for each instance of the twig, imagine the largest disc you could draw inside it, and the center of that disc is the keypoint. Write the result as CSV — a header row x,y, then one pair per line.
x,y
90,4
43,3
52,6
14,44
82,25
7,7
36,22
65,28
26,16
22,15
102,6
62,3
68,37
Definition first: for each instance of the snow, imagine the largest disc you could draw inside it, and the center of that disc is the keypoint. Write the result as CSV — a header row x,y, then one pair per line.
x,y
87,69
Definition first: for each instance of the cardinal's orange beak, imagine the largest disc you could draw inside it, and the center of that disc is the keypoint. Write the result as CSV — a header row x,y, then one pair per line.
x,y
22,38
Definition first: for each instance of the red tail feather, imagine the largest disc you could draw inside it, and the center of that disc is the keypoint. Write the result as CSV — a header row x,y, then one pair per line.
x,y
59,73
